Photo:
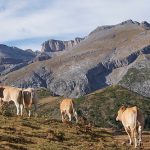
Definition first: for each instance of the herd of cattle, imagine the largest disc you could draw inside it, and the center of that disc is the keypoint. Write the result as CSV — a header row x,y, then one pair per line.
x,y
22,98
131,117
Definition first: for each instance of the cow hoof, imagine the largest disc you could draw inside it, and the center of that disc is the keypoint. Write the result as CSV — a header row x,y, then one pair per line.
x,y
131,143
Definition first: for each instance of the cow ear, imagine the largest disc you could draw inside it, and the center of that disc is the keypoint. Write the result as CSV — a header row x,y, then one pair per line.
x,y
123,108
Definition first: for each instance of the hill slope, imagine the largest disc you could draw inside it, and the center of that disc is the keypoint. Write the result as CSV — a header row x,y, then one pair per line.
x,y
138,77
101,106
45,132
13,58
100,60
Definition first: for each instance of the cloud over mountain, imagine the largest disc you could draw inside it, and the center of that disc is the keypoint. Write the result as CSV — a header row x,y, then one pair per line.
x,y
64,19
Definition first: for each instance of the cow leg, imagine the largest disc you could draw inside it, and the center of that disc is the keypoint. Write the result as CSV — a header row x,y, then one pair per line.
x,y
140,134
76,117
69,115
29,113
17,106
63,116
21,109
129,135
134,134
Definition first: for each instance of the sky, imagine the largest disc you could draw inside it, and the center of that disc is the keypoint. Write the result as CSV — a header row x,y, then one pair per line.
x,y
28,23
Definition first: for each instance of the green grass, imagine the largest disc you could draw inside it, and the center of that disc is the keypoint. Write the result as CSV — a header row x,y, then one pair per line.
x,y
101,107
136,75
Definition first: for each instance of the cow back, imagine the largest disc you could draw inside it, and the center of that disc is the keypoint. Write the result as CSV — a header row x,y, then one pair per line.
x,y
67,105
129,117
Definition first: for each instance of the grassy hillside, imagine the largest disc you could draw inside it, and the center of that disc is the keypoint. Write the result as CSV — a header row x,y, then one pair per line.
x,y
47,132
42,134
102,106
99,107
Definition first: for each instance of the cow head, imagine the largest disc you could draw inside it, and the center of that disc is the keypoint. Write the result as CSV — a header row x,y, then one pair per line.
x,y
120,111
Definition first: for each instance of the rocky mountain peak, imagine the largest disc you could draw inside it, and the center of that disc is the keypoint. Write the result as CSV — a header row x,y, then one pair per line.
x,y
130,21
58,45
145,25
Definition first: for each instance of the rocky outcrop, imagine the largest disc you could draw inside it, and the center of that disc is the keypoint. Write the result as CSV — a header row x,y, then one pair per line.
x,y
41,57
57,45
137,78
145,25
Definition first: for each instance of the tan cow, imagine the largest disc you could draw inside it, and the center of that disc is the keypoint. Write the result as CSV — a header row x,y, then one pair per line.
x,y
133,122
13,94
67,107
30,97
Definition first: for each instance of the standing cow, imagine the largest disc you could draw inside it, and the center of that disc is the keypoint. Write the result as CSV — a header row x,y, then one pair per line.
x,y
67,107
14,94
133,122
30,97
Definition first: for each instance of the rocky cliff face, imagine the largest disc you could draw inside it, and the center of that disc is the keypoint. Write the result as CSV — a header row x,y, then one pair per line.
x,y
137,78
100,60
57,45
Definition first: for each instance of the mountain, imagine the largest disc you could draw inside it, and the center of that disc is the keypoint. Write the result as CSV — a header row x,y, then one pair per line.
x,y
13,58
100,60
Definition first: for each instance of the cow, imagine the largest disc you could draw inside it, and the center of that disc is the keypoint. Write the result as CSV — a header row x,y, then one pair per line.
x,y
133,122
67,107
30,97
12,94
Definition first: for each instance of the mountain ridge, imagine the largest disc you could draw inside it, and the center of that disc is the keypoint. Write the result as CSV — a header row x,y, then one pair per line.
x,y
100,60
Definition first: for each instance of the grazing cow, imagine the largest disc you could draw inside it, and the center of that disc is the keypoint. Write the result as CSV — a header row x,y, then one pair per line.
x,y
133,122
67,108
13,94
30,97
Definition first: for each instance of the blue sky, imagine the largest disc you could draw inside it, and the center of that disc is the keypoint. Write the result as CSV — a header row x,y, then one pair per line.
x,y
28,23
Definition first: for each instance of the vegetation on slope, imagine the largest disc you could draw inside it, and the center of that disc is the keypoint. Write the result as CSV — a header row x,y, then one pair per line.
x,y
45,132
101,107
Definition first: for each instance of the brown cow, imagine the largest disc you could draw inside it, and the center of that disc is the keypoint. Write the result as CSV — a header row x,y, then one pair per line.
x,y
67,108
13,94
30,97
133,122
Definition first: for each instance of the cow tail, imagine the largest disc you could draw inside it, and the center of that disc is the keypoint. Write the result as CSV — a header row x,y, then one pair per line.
x,y
135,125
31,99
23,100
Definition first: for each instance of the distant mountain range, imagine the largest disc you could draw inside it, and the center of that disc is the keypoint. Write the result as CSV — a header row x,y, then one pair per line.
x,y
74,68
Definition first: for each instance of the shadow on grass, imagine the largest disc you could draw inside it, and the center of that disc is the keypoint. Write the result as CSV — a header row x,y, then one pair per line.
x,y
19,139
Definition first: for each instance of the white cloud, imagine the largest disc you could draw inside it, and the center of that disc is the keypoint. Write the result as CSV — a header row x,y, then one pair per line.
x,y
25,19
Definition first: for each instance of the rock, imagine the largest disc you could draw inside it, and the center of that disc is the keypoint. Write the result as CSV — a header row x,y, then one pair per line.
x,y
42,56
57,45
145,25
